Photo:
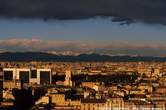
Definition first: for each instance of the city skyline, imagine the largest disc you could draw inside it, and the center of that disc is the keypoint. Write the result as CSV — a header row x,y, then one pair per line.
x,y
82,54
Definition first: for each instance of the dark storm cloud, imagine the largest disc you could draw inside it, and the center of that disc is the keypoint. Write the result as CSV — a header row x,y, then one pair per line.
x,y
149,11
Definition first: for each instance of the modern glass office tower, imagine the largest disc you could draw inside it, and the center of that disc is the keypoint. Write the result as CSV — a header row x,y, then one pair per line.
x,y
8,75
28,75
24,76
45,77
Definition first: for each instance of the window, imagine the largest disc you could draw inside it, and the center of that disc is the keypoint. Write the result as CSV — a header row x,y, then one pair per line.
x,y
24,76
33,74
8,75
44,77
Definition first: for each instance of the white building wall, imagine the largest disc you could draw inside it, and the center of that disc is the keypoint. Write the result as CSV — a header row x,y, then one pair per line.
x,y
19,70
34,80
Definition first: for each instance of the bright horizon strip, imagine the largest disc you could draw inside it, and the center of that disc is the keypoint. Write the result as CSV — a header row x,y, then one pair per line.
x,y
98,31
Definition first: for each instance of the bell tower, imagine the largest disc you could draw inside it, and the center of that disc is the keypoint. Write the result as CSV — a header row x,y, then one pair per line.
x,y
68,81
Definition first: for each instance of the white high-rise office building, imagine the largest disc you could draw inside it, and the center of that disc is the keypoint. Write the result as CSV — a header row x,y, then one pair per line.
x,y
28,75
